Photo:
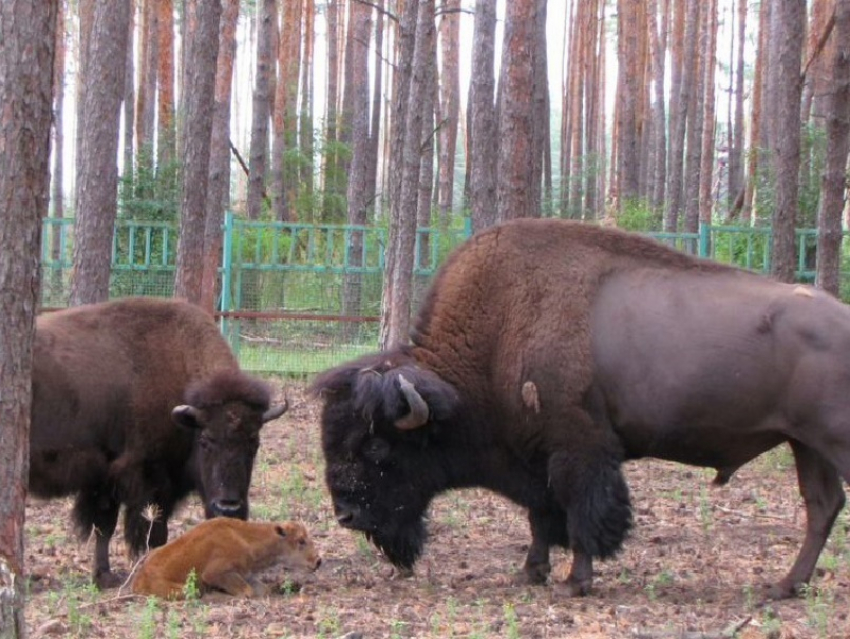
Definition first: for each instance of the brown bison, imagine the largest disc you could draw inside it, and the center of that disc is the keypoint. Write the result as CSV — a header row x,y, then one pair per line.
x,y
226,554
140,402
548,352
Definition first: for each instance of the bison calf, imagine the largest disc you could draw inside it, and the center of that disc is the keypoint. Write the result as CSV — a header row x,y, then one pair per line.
x,y
225,554
139,402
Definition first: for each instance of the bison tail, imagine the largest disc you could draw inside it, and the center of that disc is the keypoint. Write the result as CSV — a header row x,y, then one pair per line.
x,y
596,498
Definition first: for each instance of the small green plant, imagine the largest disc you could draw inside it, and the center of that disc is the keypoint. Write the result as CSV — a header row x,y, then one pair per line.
x,y
397,628
147,624
511,622
192,587
820,608
329,625
770,623
705,515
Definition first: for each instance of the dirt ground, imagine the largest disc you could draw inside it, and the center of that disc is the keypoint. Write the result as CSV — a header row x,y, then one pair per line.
x,y
693,567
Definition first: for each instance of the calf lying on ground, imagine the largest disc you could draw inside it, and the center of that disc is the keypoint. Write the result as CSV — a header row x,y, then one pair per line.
x,y
225,553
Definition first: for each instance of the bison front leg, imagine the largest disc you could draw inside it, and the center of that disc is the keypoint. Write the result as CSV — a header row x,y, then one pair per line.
x,y
590,487
823,495
548,528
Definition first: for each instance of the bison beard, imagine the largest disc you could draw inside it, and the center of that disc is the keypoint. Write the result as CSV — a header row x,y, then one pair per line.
x,y
404,546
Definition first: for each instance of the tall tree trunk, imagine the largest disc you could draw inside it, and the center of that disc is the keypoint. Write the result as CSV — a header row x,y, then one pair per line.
x,y
285,173
377,106
218,186
706,198
449,104
834,182
736,145
817,60
266,18
149,64
199,87
516,131
539,108
693,144
129,97
757,148
97,178
28,33
791,20
574,139
658,43
331,209
358,197
305,135
678,114
166,136
55,284
398,276
627,155
483,118
594,91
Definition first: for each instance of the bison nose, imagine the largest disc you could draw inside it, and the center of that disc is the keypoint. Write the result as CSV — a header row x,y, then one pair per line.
x,y
345,513
227,507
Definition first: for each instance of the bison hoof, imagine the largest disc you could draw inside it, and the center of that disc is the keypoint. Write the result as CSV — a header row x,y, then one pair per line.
x,y
534,574
572,588
107,579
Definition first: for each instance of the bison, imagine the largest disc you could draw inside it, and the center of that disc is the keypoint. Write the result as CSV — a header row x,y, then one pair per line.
x,y
139,402
548,352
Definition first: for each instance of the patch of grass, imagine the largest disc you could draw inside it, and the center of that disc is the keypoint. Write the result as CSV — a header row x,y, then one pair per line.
x,y
820,608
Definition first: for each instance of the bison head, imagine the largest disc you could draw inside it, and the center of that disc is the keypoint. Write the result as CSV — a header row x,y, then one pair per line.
x,y
383,422
226,412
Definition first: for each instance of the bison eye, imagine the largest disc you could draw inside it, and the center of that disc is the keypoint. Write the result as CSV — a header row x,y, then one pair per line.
x,y
376,450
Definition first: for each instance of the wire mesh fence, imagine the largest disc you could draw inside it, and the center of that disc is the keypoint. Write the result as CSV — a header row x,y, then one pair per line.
x,y
296,299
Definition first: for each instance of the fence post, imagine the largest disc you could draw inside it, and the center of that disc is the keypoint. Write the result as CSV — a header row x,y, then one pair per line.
x,y
704,247
229,327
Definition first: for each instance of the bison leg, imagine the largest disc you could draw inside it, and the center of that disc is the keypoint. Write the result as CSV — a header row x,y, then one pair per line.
x,y
823,495
96,512
548,528
590,487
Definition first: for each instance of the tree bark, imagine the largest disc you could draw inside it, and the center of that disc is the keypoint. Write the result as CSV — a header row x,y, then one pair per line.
x,y
736,145
449,105
218,188
199,88
55,288
167,135
516,130
149,65
398,276
129,99
28,33
658,44
97,177
791,19
266,18
678,113
483,118
693,144
358,197
331,209
706,183
834,181
627,156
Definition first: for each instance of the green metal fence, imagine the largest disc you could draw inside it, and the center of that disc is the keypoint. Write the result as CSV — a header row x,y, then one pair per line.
x,y
297,298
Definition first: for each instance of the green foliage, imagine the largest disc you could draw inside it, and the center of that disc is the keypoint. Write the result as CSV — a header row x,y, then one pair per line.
x,y
747,248
812,160
637,215
192,587
149,193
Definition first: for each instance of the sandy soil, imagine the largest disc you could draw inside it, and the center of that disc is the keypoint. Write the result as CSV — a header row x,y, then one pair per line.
x,y
694,566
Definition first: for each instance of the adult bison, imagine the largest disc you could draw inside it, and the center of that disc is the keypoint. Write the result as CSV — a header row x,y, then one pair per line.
x,y
547,352
140,402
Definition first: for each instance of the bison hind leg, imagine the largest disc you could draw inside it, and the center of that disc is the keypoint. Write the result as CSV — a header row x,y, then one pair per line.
x,y
596,498
96,513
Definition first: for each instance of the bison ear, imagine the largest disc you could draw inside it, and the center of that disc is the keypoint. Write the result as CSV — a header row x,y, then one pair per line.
x,y
280,531
187,416
275,411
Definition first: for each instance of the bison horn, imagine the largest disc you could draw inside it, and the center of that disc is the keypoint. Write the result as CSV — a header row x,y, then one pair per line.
x,y
418,414
275,411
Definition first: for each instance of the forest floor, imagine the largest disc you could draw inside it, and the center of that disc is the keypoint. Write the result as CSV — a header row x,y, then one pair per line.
x,y
694,566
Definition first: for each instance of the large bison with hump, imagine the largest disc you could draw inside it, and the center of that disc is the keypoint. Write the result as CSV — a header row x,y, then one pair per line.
x,y
548,352
139,402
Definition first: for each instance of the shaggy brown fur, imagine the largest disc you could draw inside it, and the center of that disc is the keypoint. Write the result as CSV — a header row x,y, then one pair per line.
x,y
225,554
106,380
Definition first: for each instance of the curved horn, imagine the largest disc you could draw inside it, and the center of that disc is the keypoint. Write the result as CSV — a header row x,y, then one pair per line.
x,y
275,411
418,414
